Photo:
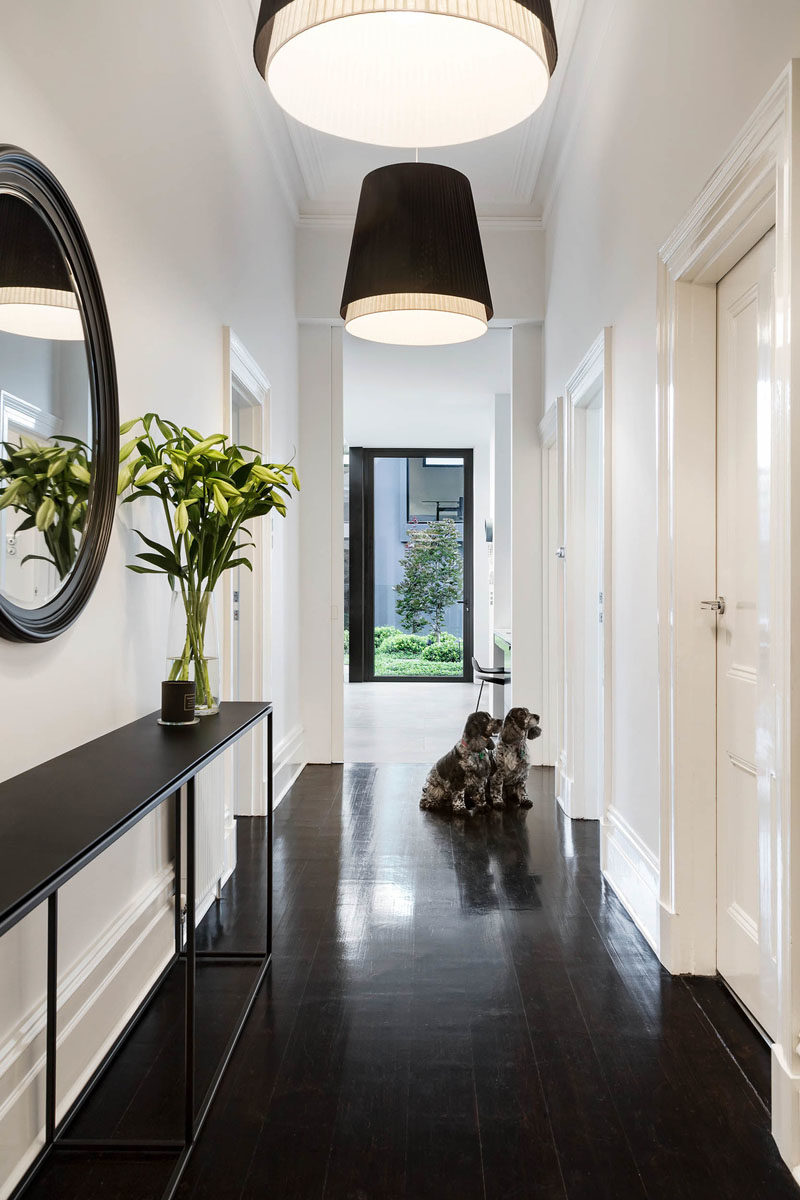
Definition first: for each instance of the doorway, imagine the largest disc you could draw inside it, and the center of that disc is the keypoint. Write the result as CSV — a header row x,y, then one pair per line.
x,y
577,580
247,611
746,845
410,557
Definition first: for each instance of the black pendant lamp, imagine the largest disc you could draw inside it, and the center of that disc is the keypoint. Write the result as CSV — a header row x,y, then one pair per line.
x,y
407,72
416,275
36,293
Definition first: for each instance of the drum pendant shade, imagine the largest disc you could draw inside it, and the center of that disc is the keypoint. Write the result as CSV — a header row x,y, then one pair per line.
x,y
36,294
407,72
416,275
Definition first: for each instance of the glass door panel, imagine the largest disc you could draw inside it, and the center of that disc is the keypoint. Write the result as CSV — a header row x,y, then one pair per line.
x,y
419,516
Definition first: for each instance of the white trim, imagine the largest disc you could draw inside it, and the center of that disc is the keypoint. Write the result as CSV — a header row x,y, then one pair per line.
x,y
751,190
632,870
242,373
548,427
270,120
536,137
288,762
580,106
593,374
548,438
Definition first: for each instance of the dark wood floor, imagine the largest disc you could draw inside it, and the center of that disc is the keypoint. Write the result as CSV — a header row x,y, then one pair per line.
x,y
456,1009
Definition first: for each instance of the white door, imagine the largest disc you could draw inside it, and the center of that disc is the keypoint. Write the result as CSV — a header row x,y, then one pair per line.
x,y
745,893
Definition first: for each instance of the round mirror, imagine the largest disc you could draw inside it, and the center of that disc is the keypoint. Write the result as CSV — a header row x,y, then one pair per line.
x,y
58,406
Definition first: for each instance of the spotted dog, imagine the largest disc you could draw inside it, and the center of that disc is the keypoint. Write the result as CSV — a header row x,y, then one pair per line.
x,y
508,780
458,781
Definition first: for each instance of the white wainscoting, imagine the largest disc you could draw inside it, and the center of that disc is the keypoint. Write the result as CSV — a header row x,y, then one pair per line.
x,y
96,997
288,761
631,868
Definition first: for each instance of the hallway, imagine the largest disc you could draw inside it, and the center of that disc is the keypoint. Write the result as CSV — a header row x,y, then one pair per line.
x,y
454,1010
465,1011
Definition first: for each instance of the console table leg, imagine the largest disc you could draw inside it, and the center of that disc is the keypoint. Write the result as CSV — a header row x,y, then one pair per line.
x,y
52,1019
178,852
189,1122
269,834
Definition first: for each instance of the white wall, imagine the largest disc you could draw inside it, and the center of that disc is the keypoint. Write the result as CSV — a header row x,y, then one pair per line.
x,y
658,92
139,109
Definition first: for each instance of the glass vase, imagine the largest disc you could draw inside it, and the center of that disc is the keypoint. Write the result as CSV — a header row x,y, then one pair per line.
x,y
193,649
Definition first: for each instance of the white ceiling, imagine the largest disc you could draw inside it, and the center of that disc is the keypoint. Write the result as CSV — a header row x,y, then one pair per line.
x,y
323,174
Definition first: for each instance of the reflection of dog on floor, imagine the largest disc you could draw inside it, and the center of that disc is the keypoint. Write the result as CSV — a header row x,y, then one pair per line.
x,y
508,782
458,781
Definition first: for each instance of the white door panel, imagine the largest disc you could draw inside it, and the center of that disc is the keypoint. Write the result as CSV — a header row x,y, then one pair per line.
x,y
745,842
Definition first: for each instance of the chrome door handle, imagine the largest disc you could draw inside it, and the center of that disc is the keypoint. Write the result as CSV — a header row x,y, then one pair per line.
x,y
717,606
561,552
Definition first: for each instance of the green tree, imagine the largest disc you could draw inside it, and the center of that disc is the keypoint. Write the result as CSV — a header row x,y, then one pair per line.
x,y
432,577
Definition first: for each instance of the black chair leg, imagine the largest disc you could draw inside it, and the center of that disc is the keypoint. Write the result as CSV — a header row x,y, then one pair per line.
x,y
480,693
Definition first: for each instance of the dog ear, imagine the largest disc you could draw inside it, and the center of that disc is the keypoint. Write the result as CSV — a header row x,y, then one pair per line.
x,y
516,717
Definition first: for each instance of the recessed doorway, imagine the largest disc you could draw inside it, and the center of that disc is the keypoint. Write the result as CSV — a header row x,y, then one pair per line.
x,y
410,565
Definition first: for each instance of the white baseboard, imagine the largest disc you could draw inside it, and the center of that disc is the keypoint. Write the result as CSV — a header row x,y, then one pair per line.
x,y
785,1107
97,995
563,789
632,870
288,762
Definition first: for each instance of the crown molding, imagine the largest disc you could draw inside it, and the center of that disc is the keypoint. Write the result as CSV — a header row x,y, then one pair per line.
x,y
306,146
567,15
279,144
573,116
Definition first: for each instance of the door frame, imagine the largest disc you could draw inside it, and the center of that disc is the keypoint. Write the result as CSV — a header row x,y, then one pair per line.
x,y
552,581
592,376
243,375
754,188
362,562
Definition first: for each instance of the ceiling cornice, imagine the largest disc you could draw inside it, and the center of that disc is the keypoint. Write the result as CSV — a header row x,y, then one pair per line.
x,y
567,16
239,21
572,109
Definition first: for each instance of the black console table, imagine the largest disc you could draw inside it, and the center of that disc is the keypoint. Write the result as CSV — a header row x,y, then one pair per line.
x,y
56,818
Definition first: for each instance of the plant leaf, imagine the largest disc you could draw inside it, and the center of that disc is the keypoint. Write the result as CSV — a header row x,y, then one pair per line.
x,y
149,475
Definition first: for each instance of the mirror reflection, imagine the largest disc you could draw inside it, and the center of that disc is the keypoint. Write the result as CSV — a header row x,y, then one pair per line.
x,y
46,425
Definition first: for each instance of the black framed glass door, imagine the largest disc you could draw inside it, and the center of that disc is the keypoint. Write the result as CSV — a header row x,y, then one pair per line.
x,y
410,569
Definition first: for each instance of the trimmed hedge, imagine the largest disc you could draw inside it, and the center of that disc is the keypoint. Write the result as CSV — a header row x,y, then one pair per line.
x,y
394,667
409,645
382,632
447,649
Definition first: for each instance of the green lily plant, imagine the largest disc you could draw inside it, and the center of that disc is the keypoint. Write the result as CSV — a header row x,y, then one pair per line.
x,y
50,483
209,489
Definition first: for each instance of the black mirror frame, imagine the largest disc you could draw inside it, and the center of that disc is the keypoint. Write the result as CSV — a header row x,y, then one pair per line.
x,y
22,173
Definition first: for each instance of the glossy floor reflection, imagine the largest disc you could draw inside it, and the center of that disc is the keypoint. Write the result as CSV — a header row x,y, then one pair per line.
x,y
464,1010
456,1009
